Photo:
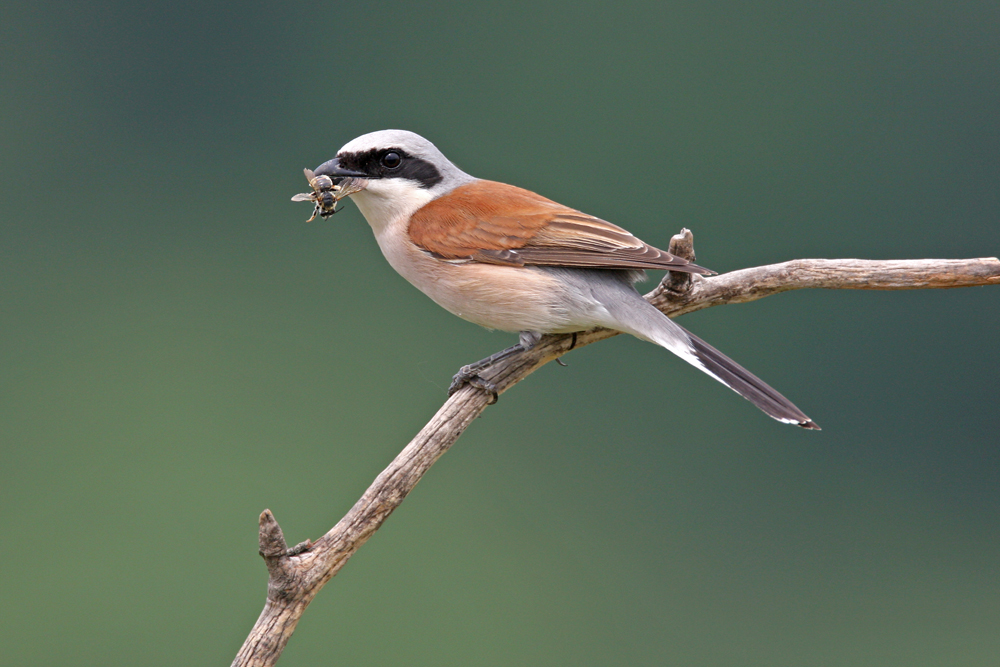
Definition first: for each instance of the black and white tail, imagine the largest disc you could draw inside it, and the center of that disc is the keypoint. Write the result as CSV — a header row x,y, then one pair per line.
x,y
638,317
745,383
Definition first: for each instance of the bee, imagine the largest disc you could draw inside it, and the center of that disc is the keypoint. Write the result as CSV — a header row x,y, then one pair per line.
x,y
324,195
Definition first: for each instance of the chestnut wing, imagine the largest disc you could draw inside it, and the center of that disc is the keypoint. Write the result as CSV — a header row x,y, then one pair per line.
x,y
495,223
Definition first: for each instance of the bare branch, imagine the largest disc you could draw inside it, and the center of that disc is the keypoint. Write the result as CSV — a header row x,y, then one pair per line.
x,y
296,575
756,283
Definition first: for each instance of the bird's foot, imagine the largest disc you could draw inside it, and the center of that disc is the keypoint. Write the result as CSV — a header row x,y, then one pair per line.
x,y
470,375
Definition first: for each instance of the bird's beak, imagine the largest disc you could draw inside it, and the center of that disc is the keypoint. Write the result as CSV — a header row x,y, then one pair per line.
x,y
333,169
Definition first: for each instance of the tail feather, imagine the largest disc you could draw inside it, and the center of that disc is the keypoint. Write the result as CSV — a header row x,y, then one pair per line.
x,y
747,385
638,317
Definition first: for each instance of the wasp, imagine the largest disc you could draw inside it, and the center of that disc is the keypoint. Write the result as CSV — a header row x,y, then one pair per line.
x,y
324,195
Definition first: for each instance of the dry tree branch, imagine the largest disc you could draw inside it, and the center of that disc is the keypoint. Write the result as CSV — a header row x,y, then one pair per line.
x,y
297,574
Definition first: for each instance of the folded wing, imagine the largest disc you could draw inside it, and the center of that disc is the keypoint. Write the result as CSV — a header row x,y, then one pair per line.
x,y
495,223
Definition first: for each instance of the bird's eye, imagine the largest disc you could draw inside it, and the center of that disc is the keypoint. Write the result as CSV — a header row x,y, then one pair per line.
x,y
391,160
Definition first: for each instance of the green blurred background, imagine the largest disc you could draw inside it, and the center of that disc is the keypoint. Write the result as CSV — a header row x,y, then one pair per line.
x,y
179,351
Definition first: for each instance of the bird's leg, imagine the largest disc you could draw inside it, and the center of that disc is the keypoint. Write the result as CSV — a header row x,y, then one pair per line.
x,y
470,374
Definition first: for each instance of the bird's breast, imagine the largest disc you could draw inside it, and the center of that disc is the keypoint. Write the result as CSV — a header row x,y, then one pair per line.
x,y
496,297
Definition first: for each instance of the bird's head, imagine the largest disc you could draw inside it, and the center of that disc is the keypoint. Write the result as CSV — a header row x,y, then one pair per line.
x,y
400,171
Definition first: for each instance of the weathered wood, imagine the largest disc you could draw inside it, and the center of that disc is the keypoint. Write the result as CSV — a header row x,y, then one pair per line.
x,y
296,575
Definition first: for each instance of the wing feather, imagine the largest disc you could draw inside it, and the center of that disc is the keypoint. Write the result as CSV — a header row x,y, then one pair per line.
x,y
496,223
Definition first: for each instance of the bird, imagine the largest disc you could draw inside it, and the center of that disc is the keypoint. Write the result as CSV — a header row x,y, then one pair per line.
x,y
506,258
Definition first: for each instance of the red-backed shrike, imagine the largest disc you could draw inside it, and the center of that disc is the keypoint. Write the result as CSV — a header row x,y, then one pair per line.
x,y
509,259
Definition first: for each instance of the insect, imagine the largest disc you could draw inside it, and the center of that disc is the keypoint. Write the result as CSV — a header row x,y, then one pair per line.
x,y
325,194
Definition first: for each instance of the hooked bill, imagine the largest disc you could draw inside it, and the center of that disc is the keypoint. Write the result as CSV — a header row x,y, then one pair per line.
x,y
325,194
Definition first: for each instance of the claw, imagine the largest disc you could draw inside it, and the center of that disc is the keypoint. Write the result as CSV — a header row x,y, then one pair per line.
x,y
460,379
486,386
466,375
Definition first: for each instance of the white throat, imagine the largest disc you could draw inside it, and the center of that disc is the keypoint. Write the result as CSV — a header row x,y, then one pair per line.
x,y
386,201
